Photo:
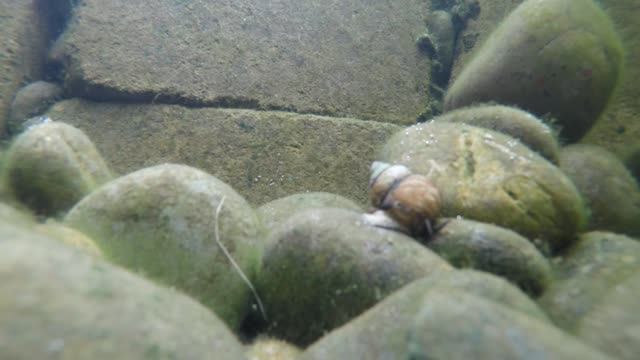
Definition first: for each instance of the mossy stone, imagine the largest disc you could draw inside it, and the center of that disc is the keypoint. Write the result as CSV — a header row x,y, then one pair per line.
x,y
613,324
486,247
458,325
31,100
610,191
266,348
69,236
326,266
586,274
277,211
381,332
551,57
162,221
487,176
52,166
60,303
512,121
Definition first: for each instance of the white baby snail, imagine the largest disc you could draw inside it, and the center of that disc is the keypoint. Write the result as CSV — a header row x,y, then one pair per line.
x,y
409,199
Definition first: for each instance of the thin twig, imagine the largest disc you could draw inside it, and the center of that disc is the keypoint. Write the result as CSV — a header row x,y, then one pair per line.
x,y
233,262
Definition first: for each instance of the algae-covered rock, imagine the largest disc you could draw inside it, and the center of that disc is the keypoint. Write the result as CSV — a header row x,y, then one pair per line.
x,y
277,211
486,247
326,266
512,121
31,100
613,324
609,190
471,327
265,348
487,176
69,236
165,221
551,57
381,332
587,273
59,303
52,166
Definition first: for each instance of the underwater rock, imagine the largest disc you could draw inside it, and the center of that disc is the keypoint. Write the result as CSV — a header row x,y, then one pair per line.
x,y
380,333
490,177
326,266
275,153
560,58
609,190
265,348
52,166
344,59
23,43
471,327
59,303
512,121
486,247
277,211
613,324
587,273
31,100
69,236
165,222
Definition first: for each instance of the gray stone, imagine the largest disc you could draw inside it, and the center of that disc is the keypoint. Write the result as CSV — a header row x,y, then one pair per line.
x,y
163,221
613,324
50,167
609,190
349,59
487,176
557,57
277,211
586,274
514,122
381,332
22,49
33,99
59,303
266,155
457,325
486,247
326,266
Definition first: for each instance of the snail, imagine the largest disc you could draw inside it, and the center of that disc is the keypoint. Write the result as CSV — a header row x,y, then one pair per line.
x,y
409,199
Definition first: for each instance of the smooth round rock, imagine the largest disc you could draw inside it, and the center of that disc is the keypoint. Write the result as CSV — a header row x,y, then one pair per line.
x,y
490,177
161,221
69,236
380,333
486,247
610,191
586,273
613,324
52,166
458,325
277,211
265,348
326,266
60,303
31,100
512,121
560,58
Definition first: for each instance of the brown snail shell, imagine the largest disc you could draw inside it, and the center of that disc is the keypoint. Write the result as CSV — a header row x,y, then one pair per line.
x,y
409,199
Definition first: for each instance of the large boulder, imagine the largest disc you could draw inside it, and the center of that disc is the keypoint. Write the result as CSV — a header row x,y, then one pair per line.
x,y
487,176
275,154
50,167
182,227
356,59
609,190
551,57
325,266
59,303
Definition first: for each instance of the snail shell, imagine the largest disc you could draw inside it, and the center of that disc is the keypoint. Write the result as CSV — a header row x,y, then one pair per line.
x,y
410,199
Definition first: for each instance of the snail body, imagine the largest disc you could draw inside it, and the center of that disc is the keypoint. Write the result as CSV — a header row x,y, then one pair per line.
x,y
409,199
